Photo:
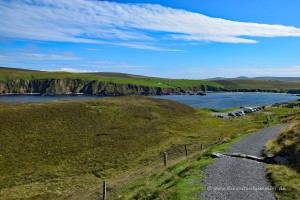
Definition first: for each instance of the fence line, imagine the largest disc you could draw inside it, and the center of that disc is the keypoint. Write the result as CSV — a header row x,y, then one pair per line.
x,y
119,182
118,185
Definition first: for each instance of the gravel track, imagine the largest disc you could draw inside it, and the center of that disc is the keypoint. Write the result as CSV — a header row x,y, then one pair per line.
x,y
237,178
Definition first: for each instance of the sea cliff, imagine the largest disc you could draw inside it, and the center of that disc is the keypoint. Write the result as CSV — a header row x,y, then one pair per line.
x,y
69,86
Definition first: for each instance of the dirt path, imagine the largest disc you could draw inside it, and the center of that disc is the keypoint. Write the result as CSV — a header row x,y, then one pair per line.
x,y
237,178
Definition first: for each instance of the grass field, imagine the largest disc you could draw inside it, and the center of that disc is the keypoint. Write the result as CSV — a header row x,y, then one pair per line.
x,y
183,180
234,84
56,149
178,181
9,74
61,149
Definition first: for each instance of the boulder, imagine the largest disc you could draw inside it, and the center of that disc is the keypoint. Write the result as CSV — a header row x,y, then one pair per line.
x,y
281,160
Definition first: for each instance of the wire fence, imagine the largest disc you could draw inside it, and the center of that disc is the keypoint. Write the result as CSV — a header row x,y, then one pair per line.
x,y
171,156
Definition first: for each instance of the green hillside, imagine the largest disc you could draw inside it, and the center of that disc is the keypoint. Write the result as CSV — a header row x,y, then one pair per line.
x,y
9,74
251,84
111,83
62,148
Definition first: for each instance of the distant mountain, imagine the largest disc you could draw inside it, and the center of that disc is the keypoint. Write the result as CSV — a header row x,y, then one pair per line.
x,y
289,79
18,69
266,78
222,78
242,77
119,75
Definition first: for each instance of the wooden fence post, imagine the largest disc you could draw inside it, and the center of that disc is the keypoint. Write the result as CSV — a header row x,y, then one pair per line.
x,y
202,147
268,119
104,190
186,150
165,158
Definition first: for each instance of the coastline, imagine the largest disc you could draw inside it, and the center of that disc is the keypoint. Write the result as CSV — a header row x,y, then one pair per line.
x,y
167,94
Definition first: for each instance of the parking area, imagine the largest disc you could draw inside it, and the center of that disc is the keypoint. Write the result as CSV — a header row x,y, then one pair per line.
x,y
238,112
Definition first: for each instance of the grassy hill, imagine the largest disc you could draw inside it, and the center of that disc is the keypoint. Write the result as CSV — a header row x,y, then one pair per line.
x,y
120,75
109,83
290,79
252,84
62,148
287,176
8,74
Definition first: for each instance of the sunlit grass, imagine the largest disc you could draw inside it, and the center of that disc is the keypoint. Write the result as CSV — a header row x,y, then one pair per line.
x,y
286,181
66,148
287,143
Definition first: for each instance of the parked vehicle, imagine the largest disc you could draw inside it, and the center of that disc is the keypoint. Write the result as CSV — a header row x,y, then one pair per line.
x,y
248,110
242,112
238,114
231,114
259,108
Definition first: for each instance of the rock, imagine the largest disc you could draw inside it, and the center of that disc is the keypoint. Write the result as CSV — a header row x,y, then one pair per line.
x,y
256,158
200,93
270,155
216,155
281,160
270,158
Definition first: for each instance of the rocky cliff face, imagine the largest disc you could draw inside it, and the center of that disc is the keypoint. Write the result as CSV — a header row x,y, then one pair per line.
x,y
67,86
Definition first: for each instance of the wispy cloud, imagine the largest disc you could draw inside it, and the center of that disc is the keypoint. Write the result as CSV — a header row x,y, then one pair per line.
x,y
33,57
142,26
92,49
39,56
112,65
97,66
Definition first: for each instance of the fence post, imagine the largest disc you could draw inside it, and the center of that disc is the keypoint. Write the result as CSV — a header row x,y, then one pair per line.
x,y
268,119
165,158
202,147
186,150
104,190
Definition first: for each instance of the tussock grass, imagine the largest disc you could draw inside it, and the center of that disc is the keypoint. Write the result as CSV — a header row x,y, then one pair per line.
x,y
287,143
286,181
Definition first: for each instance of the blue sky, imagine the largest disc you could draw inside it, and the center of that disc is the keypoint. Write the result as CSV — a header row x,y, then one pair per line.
x,y
192,39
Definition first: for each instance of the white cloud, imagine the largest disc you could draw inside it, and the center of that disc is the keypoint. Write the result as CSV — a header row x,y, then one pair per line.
x,y
68,69
141,26
38,56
